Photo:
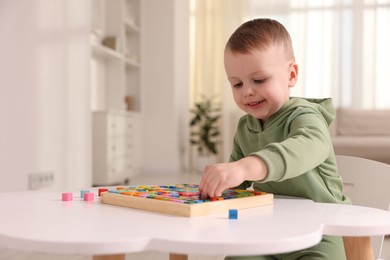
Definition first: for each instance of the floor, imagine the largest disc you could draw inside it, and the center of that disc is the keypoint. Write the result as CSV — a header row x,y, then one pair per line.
x,y
6,254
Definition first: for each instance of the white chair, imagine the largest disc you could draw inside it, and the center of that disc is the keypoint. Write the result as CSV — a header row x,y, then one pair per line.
x,y
366,183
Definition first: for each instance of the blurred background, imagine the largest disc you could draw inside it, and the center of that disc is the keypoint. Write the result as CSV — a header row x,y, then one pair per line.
x,y
102,92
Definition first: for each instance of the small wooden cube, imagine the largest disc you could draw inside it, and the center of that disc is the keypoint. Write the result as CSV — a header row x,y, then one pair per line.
x,y
67,196
82,192
102,190
233,214
89,196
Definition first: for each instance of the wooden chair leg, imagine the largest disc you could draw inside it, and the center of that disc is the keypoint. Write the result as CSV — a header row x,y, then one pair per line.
x,y
358,248
109,257
178,257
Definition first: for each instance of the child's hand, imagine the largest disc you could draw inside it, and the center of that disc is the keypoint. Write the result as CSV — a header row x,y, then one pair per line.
x,y
219,177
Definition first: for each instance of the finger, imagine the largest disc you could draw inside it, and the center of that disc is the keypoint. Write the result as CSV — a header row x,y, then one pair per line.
x,y
205,177
203,180
219,190
212,184
204,192
209,188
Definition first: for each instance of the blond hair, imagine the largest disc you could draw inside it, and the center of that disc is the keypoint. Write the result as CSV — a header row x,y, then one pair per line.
x,y
259,34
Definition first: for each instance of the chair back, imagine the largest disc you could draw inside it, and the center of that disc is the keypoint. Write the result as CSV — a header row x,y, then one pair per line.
x,y
366,183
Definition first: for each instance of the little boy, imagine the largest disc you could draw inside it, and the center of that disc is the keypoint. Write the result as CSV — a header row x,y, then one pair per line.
x,y
282,144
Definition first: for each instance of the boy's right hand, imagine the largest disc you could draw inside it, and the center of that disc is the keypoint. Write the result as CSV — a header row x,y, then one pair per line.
x,y
219,177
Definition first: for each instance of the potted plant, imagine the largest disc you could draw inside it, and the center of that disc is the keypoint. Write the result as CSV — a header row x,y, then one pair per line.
x,y
205,130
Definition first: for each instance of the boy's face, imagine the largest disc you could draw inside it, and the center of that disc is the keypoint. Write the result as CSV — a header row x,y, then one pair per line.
x,y
260,80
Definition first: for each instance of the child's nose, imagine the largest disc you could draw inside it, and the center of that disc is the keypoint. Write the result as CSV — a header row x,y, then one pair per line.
x,y
248,91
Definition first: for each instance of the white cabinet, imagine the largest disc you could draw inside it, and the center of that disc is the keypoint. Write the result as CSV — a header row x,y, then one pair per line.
x,y
115,88
115,147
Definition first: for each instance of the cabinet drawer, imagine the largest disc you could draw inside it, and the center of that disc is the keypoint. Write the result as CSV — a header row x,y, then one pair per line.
x,y
119,146
120,125
120,167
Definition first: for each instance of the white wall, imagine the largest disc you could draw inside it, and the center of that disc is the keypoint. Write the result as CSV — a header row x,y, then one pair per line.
x,y
45,114
44,95
165,85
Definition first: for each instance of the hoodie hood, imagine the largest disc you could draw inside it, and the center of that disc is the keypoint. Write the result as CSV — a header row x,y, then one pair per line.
x,y
322,106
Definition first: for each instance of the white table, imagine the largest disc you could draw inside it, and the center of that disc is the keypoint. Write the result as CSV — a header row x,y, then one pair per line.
x,y
42,222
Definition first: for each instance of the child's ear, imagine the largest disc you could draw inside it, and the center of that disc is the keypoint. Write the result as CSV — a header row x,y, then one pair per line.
x,y
293,77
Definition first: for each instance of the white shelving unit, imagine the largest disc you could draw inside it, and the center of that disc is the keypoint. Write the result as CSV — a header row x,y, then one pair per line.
x,y
115,89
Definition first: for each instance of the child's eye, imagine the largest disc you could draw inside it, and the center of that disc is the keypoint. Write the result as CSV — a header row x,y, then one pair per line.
x,y
259,81
237,85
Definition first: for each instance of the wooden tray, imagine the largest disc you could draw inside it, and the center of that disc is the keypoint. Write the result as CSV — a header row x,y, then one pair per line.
x,y
183,199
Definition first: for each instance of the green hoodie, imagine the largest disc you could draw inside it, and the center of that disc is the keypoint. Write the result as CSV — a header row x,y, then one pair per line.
x,y
295,145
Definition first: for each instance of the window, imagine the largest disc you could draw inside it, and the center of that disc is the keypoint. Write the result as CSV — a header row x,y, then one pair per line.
x,y
342,47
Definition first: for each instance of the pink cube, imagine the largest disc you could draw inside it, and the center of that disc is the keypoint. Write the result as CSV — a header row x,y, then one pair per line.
x,y
67,196
89,196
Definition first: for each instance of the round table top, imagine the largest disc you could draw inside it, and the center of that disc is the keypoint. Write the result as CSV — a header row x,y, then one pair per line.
x,y
41,221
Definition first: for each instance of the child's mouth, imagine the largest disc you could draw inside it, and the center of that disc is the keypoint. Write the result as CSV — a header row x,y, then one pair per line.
x,y
254,104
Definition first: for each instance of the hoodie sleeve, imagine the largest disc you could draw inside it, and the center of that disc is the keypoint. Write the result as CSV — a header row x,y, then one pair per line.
x,y
235,156
307,145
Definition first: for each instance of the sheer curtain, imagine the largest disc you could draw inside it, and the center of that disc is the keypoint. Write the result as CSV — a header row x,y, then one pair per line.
x,y
341,46
211,23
